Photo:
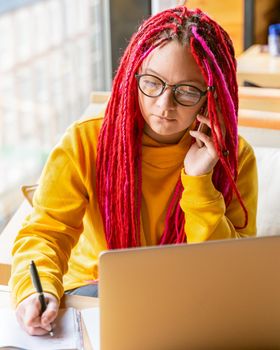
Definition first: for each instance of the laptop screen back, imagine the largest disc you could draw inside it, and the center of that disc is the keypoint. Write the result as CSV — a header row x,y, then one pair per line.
x,y
199,296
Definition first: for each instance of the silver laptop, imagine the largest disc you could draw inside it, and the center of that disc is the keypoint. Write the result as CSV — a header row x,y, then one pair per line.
x,y
215,295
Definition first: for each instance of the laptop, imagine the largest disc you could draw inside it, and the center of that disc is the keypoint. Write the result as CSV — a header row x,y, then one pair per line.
x,y
215,295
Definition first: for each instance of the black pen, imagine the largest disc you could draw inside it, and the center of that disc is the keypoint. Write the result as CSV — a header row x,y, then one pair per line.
x,y
38,286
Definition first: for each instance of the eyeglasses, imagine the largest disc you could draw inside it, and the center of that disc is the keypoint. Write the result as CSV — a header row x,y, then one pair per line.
x,y
184,94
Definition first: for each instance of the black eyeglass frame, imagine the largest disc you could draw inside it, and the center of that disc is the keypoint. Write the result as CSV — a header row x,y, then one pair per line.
x,y
173,88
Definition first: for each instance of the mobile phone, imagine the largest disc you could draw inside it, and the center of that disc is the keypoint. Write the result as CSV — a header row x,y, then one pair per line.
x,y
203,128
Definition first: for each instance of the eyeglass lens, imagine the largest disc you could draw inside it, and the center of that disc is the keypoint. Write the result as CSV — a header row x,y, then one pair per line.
x,y
184,94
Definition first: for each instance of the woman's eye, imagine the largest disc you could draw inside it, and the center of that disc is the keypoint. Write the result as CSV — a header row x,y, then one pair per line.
x,y
188,92
151,83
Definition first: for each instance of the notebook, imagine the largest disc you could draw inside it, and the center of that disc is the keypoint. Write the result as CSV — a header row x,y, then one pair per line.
x,y
215,295
67,334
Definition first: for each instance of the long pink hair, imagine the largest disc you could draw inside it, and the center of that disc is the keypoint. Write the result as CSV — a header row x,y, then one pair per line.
x,y
120,141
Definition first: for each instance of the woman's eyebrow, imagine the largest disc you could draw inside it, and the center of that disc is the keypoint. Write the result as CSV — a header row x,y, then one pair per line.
x,y
150,70
154,72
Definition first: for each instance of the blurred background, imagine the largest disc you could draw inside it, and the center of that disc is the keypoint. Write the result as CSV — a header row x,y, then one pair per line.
x,y
53,53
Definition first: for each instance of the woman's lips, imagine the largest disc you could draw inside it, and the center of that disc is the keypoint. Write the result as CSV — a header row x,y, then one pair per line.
x,y
165,118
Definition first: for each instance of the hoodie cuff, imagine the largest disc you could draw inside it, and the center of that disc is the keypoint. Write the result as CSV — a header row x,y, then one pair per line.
x,y
199,189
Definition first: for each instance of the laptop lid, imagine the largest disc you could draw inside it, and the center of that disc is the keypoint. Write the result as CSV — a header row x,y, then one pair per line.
x,y
198,296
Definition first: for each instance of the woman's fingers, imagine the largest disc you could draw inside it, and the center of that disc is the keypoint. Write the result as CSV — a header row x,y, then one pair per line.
x,y
207,140
36,330
29,314
205,120
50,313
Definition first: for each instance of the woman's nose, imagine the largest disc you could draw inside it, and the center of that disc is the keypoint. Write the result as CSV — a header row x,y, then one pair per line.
x,y
166,99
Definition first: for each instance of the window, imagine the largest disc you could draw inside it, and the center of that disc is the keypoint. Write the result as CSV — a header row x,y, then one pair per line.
x,y
52,54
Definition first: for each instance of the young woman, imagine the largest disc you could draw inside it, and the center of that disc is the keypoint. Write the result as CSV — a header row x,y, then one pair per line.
x,y
142,174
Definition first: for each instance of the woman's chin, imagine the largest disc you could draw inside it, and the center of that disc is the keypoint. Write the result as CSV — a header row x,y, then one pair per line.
x,y
164,135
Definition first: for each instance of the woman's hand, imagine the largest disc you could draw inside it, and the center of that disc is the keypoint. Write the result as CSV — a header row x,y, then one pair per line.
x,y
200,161
29,315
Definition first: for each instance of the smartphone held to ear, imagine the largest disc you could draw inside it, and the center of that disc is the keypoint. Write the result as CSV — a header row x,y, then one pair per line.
x,y
204,129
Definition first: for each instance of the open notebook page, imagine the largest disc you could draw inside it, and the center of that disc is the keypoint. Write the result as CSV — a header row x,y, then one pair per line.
x,y
67,332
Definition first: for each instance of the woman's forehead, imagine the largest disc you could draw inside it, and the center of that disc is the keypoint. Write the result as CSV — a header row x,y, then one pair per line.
x,y
173,62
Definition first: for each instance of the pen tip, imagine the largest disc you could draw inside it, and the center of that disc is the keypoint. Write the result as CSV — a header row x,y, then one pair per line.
x,y
51,333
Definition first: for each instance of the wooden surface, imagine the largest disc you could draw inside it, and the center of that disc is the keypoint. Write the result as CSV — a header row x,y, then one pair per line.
x,y
75,301
258,66
259,119
259,108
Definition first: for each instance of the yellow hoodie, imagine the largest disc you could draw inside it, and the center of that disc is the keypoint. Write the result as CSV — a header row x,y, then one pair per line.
x,y
65,235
